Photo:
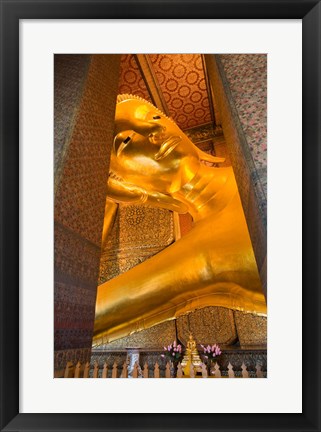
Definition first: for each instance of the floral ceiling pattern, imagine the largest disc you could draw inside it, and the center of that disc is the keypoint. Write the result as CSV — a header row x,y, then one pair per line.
x,y
180,79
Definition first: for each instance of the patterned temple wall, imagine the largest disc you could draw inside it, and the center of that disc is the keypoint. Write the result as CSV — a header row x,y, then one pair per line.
x,y
240,87
85,97
69,79
138,233
246,75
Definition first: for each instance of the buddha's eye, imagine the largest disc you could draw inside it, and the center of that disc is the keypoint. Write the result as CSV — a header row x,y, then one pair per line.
x,y
120,143
156,117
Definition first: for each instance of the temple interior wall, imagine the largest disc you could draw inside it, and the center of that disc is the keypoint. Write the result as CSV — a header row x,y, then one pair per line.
x,y
138,233
85,97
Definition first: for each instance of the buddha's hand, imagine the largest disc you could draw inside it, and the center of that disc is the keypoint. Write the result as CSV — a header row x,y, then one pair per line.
x,y
120,191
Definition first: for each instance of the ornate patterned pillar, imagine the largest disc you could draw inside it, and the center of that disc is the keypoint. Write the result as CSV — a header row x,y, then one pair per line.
x,y
85,97
239,85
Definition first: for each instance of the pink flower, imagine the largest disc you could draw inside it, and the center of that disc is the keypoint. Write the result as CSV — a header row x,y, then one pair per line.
x,y
165,348
173,354
162,355
174,344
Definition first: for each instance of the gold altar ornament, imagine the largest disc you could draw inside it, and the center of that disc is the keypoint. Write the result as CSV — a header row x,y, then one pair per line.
x,y
153,162
191,357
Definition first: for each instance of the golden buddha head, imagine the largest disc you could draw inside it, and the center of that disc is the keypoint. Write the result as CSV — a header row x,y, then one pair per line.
x,y
150,149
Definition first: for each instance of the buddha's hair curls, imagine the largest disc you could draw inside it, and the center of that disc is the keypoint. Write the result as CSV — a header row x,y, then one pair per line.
x,y
126,96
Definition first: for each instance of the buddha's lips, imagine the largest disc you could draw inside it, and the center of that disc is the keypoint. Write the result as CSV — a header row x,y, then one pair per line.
x,y
168,146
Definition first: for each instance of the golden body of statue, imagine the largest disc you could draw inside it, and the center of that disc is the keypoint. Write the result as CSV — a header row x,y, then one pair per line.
x,y
191,357
154,162
191,345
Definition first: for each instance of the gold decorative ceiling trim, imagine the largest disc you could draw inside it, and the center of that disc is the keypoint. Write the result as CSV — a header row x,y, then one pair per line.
x,y
209,92
217,115
151,82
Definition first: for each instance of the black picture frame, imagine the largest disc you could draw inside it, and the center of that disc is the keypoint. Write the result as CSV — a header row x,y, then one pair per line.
x,y
11,12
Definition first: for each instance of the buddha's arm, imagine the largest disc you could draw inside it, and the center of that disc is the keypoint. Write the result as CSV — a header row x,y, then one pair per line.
x,y
207,267
120,191
109,218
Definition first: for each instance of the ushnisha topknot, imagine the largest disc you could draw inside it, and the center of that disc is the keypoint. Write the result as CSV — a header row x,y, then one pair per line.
x,y
126,96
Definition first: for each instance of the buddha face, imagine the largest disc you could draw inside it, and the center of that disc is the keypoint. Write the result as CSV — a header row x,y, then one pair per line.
x,y
150,150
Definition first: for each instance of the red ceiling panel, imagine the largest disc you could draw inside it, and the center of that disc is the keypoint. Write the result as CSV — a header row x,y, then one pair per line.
x,y
131,80
182,82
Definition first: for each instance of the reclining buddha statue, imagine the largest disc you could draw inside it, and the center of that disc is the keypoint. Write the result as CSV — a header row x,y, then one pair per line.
x,y
153,162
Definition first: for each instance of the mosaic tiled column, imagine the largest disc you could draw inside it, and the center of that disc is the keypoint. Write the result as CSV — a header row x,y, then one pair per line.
x,y
85,97
239,84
